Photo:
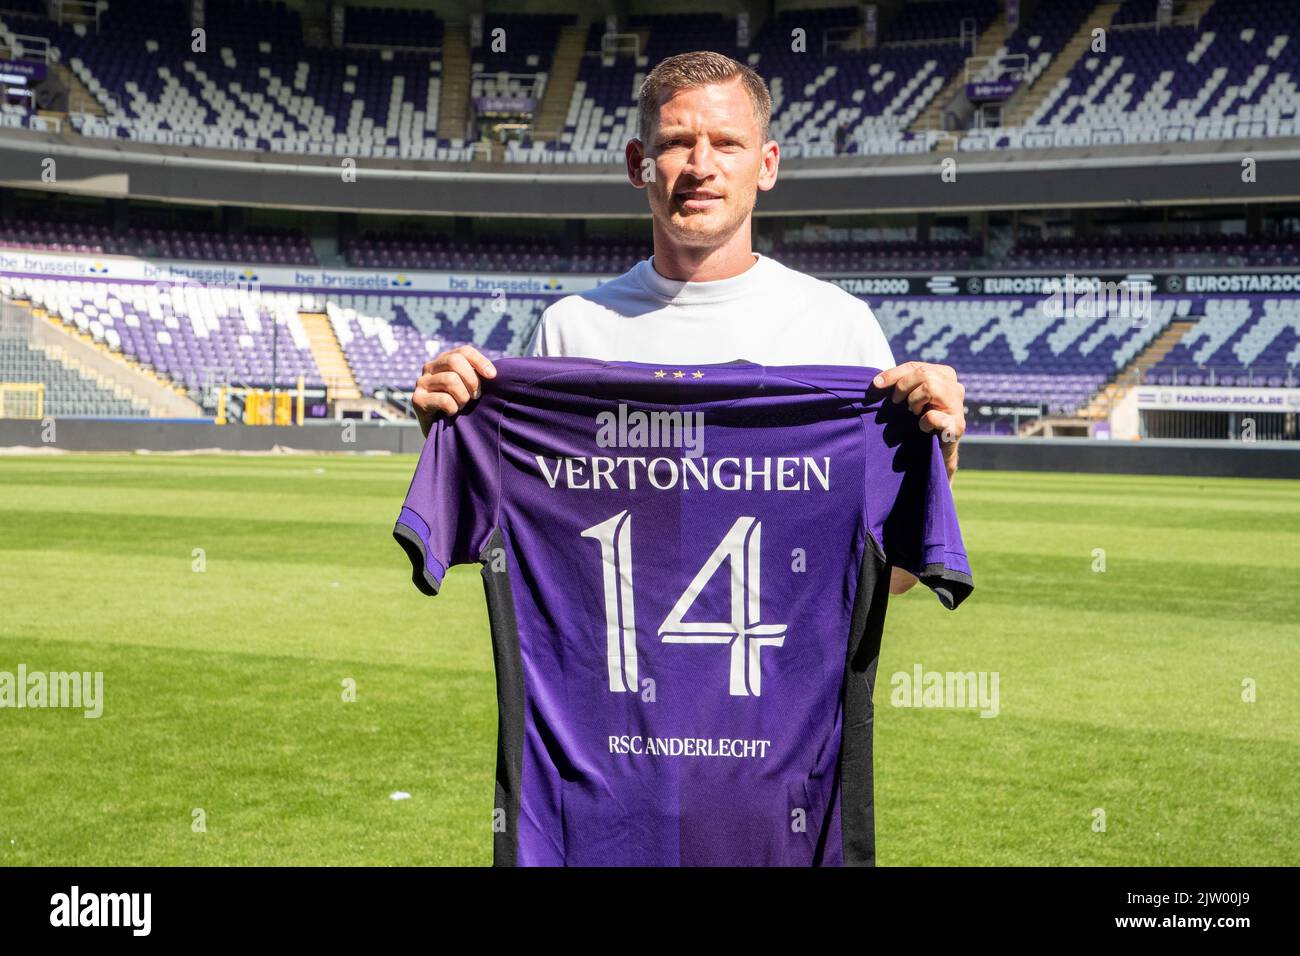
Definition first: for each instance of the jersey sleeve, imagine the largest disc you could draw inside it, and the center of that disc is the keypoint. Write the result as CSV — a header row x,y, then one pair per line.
x,y
920,533
451,507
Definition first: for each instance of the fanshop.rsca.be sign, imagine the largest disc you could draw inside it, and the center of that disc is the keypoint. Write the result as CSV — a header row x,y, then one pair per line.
x,y
1209,398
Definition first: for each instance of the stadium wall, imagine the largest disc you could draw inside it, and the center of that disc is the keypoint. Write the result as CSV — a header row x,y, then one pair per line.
x,y
1240,459
1193,173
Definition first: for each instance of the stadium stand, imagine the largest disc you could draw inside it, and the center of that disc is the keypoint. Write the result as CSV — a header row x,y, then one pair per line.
x,y
1039,39
395,250
530,40
939,21
400,251
1231,75
874,94
1006,349
263,90
1240,341
826,258
394,28
199,336
277,246
384,337
66,391
266,91
1130,251
194,334
1011,350
63,237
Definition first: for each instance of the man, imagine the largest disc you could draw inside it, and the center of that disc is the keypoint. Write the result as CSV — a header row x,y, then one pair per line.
x,y
703,154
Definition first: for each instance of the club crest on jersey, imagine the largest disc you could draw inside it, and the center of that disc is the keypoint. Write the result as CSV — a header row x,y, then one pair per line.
x,y
656,429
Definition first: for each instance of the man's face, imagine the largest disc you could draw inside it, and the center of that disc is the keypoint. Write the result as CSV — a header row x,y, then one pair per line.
x,y
709,163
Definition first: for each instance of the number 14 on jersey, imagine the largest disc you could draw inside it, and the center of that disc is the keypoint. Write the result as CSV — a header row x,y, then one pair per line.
x,y
744,637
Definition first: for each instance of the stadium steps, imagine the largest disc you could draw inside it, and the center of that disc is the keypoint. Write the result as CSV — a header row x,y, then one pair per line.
x,y
65,390
1023,105
89,340
333,364
1131,374
931,117
560,82
56,354
119,374
80,99
453,94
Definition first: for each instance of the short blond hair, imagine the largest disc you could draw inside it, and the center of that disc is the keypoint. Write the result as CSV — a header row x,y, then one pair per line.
x,y
686,71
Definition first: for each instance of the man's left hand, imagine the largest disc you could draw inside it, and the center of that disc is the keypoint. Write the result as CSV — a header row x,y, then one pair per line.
x,y
933,393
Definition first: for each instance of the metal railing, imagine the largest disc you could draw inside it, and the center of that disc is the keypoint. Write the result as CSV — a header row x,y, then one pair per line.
x,y
534,84
1014,65
1216,376
23,46
970,33
436,51
1184,19
611,42
77,11
837,39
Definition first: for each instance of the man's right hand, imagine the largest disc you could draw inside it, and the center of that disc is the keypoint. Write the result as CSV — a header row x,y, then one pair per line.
x,y
448,383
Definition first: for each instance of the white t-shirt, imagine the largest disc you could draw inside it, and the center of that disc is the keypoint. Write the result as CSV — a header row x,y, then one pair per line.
x,y
768,314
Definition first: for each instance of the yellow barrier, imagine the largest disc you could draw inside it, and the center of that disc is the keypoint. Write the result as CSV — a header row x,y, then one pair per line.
x,y
262,406
22,399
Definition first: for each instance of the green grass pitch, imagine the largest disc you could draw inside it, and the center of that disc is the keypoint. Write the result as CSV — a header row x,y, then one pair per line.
x,y
1120,691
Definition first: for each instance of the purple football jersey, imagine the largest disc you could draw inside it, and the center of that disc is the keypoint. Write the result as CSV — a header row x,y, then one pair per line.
x,y
686,570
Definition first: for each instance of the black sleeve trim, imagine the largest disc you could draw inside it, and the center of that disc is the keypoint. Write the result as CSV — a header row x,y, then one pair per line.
x,y
414,548
952,587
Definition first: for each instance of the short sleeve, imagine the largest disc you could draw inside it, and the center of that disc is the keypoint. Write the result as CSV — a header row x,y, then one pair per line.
x,y
451,507
920,531
537,347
